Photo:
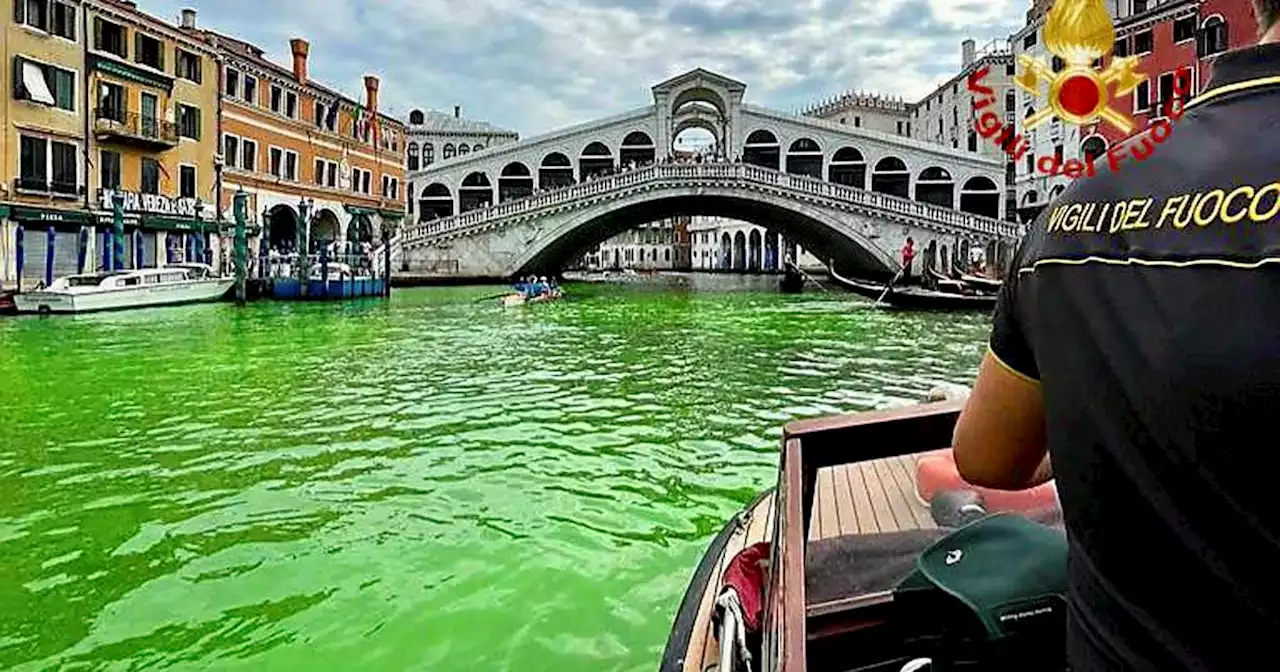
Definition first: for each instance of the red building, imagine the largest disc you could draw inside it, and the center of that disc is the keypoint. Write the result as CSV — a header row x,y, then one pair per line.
x,y
1175,39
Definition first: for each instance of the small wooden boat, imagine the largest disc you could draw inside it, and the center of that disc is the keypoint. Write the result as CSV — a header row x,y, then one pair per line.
x,y
916,298
140,288
518,299
837,568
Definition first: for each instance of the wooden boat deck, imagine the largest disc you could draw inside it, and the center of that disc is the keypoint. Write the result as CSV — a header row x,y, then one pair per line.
x,y
864,498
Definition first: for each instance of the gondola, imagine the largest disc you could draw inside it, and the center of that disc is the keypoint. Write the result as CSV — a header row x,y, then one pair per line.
x,y
981,283
916,298
848,564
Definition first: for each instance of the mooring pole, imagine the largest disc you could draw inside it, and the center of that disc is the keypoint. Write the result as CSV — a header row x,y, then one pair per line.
x,y
117,232
241,251
386,260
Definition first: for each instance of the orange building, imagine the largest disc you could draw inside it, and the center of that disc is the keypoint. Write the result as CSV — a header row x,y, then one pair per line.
x,y
298,148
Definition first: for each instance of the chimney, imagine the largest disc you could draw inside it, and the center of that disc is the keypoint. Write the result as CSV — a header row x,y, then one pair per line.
x,y
300,49
371,93
967,53
457,111
189,18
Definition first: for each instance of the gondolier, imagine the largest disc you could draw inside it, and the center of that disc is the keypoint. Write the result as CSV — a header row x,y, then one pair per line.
x,y
908,254
1135,340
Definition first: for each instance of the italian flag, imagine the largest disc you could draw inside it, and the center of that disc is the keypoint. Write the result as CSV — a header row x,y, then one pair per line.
x,y
363,122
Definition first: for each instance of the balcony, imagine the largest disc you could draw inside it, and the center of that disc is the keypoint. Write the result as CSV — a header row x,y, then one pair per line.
x,y
111,124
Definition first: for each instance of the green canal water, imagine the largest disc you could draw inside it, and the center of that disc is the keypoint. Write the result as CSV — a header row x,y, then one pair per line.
x,y
429,483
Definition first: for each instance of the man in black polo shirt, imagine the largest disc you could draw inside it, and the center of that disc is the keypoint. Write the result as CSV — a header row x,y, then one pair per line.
x,y
1137,341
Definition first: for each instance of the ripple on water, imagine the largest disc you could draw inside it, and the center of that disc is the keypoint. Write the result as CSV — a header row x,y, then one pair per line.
x,y
429,483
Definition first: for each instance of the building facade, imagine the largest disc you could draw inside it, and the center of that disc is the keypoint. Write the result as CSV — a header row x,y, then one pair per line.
x,y
865,110
43,196
154,105
321,170
435,136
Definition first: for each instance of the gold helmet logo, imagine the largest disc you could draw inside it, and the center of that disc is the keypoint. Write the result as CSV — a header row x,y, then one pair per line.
x,y
1079,32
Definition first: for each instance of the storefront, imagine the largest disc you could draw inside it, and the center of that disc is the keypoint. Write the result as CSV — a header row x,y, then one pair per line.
x,y
41,244
158,230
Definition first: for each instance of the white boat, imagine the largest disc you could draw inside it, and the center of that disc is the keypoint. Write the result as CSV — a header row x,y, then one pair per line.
x,y
139,288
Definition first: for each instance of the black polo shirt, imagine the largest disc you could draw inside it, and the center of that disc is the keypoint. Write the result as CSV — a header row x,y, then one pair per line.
x,y
1146,301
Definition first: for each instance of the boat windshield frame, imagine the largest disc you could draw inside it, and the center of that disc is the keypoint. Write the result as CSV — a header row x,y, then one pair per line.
x,y
810,445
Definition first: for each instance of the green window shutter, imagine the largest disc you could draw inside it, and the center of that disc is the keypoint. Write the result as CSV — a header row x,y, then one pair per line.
x,y
195,118
137,46
70,13
97,33
160,53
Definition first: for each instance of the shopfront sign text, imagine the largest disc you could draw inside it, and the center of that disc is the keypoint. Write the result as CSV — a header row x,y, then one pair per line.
x,y
151,204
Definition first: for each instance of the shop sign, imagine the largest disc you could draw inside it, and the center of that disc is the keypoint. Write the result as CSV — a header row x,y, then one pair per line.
x,y
151,204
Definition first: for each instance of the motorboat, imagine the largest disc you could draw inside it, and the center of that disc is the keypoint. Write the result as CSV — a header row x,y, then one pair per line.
x,y
118,290
853,561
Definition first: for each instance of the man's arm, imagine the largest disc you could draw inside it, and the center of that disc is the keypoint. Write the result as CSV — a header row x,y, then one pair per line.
x,y
1000,438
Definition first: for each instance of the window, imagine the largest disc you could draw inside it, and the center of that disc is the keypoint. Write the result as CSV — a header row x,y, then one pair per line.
x,y
1058,64
1213,37
1121,49
248,154
973,141
857,122
33,169
1010,101
1165,92
1142,97
150,175
1143,42
413,156
109,37
109,169
395,188
899,128
1139,6
386,186
332,181
291,166
908,129
463,149
188,121
448,151
1057,153
277,99
291,105
477,148
1029,41
318,173
62,157
1031,163
231,150
1093,147
428,154
233,83
368,178
317,113
189,66
276,159
148,51
250,89
111,102
1010,70
55,18
1184,28
186,181
44,84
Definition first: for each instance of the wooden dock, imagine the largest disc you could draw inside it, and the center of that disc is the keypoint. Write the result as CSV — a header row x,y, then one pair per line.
x,y
864,498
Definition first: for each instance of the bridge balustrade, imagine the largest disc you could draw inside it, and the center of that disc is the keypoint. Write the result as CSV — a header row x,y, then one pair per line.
x,y
710,171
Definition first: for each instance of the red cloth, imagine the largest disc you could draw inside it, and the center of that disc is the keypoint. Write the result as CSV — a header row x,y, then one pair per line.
x,y
746,575
908,253
937,471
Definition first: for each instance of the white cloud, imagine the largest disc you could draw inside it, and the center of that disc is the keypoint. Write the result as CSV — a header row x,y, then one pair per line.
x,y
535,65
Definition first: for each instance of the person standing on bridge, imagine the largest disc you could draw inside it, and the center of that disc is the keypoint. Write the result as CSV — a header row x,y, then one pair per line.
x,y
1142,360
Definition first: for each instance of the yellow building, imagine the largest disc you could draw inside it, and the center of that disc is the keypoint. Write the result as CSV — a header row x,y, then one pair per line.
x,y
44,115
153,109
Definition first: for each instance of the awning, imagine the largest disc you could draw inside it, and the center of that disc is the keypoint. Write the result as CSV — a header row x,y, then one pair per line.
x,y
48,216
160,223
129,72
382,212
391,214
35,84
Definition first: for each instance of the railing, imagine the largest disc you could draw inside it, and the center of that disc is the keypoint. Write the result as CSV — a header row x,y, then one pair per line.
x,y
841,194
131,124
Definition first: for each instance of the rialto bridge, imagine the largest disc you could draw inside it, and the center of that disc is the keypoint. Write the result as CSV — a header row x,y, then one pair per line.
x,y
848,194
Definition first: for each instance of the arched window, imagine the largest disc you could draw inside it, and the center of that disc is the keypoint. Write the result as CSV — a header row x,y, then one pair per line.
x,y
1093,147
477,148
413,156
463,149
416,118
1213,37
428,154
449,151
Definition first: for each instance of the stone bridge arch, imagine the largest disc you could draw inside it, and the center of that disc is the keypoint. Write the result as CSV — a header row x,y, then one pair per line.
x,y
545,244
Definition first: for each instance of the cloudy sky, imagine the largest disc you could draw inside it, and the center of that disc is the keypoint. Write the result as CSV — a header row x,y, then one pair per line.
x,y
536,65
